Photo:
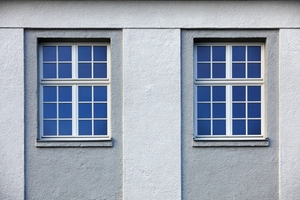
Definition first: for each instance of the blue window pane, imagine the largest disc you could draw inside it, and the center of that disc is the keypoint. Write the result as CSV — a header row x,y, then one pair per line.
x,y
219,70
65,70
65,110
84,53
203,127
49,70
238,53
219,53
49,127
254,93
100,93
219,110
254,53
100,127
84,70
203,53
65,93
100,53
239,127
85,93
49,110
238,93
239,110
49,53
100,110
85,127
254,127
203,110
85,110
238,70
65,127
100,71
203,70
64,53
203,93
254,110
254,70
49,93
219,93
219,127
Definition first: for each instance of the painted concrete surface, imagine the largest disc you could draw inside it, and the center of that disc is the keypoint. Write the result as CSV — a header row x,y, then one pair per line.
x,y
289,114
12,114
151,116
150,14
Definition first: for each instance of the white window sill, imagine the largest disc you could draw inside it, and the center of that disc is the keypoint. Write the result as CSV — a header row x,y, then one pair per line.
x,y
73,144
231,143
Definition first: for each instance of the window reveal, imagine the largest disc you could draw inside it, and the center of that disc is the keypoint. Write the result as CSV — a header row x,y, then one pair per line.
x,y
75,88
229,90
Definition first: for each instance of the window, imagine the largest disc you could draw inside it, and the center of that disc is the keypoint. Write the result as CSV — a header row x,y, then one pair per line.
x,y
229,90
74,90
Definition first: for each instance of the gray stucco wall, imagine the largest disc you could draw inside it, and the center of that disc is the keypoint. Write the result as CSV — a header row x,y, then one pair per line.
x,y
147,160
238,172
72,172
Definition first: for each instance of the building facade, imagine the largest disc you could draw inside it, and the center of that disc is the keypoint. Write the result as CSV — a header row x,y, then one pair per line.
x,y
149,100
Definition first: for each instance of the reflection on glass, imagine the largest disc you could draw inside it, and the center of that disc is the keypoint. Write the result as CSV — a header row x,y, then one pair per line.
x,y
238,70
49,70
49,53
85,93
49,93
65,127
65,70
219,127
64,53
238,53
203,93
85,127
203,53
84,70
203,127
203,70
84,53
49,127
203,110
100,53
239,127
219,70
100,127
100,71
219,53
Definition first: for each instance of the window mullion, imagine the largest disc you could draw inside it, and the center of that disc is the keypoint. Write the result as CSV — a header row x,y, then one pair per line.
x,y
75,111
74,92
228,92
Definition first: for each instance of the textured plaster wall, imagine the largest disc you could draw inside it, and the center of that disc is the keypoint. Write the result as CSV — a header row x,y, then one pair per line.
x,y
150,14
12,114
151,101
153,154
289,114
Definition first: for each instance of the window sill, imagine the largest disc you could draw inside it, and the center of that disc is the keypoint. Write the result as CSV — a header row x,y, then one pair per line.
x,y
231,143
73,144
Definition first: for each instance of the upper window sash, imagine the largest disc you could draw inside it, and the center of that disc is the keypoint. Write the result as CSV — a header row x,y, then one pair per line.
x,y
74,62
229,62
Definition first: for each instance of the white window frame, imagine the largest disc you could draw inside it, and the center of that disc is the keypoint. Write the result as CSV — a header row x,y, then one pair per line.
x,y
228,82
75,82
